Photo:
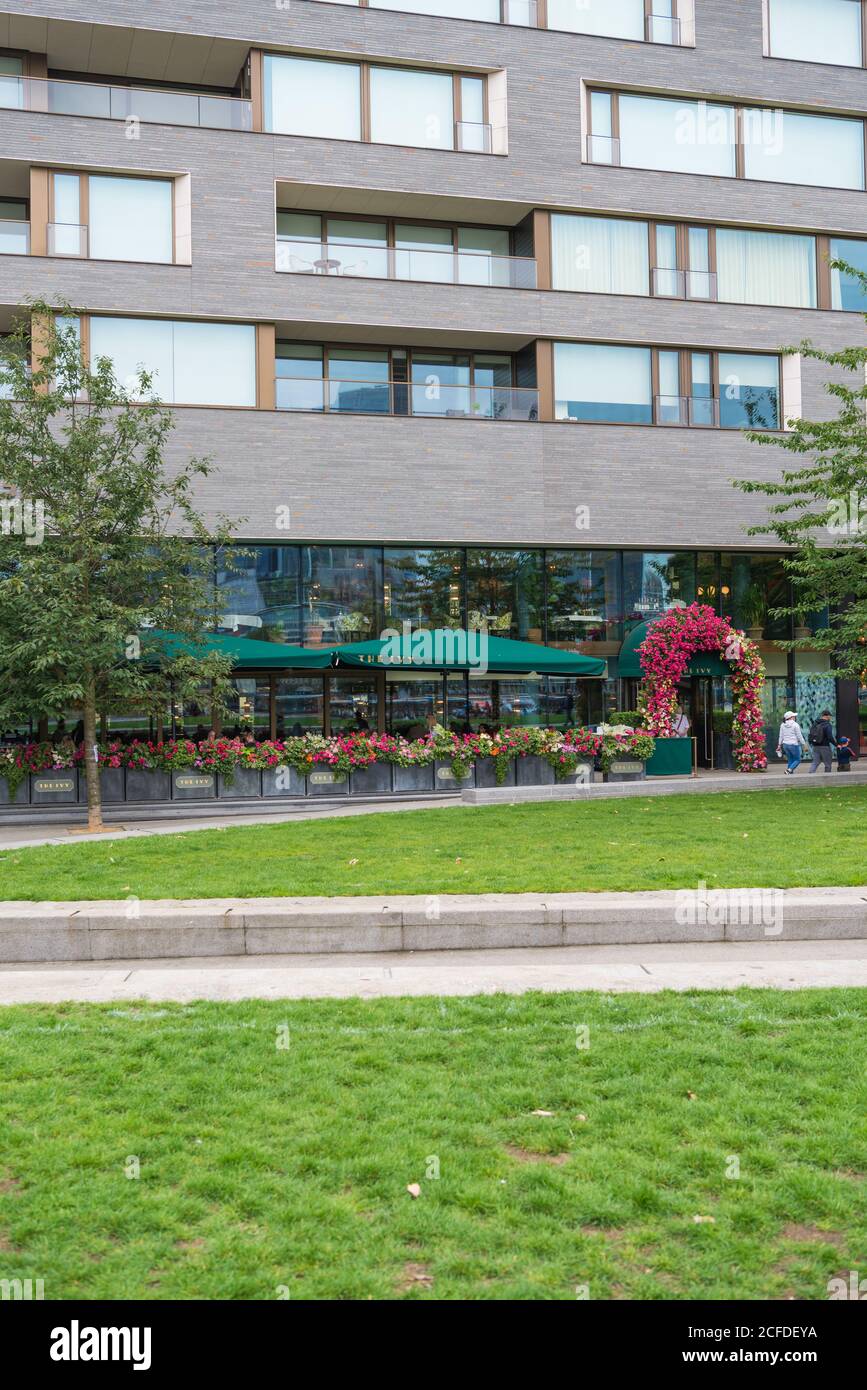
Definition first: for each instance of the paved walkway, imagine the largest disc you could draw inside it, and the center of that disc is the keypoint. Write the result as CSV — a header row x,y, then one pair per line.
x,y
615,969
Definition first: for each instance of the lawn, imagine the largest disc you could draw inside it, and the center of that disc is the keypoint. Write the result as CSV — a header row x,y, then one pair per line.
x,y
771,839
543,1166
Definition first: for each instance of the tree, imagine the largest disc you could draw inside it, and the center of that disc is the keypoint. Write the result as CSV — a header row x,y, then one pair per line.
x,y
821,509
101,551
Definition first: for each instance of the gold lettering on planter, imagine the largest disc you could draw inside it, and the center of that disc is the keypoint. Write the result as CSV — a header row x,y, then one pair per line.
x,y
54,784
445,774
626,767
182,780
327,779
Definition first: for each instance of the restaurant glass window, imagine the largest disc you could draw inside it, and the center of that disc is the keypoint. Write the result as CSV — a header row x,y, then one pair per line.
x,y
517,700
424,587
411,698
847,291
583,596
654,581
570,703
299,705
353,703
300,379
601,382
192,717
358,380
456,709
505,593
601,255
341,585
750,586
311,96
248,707
258,592
749,391
412,107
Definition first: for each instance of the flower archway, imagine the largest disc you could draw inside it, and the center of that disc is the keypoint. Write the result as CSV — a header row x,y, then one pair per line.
x,y
665,655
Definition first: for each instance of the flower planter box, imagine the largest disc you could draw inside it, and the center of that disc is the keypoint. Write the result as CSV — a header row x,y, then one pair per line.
x,y
144,785
112,785
22,793
414,779
446,781
54,788
188,784
626,770
324,781
282,781
374,780
246,782
486,773
534,771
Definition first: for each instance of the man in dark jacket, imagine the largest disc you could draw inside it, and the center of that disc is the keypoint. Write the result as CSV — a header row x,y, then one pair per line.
x,y
821,739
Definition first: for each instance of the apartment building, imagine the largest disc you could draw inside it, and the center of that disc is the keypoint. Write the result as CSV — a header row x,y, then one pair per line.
x,y
469,300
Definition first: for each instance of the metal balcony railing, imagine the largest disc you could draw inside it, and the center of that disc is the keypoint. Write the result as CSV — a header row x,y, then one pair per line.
x,y
602,149
684,284
431,399
14,238
361,260
156,105
699,412
67,239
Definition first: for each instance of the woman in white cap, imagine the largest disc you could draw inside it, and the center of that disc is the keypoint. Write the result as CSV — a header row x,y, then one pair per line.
x,y
791,741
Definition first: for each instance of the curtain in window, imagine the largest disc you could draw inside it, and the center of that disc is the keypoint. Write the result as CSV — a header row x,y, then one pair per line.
x,y
766,268
607,255
598,381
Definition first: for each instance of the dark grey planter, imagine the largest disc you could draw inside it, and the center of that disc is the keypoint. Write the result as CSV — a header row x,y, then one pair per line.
x,y
534,771
144,785
627,770
325,781
723,752
246,782
445,780
374,780
112,785
191,784
414,779
22,793
54,788
282,781
486,773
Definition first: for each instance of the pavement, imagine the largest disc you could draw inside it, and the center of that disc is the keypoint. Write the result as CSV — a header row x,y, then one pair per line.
x,y
642,969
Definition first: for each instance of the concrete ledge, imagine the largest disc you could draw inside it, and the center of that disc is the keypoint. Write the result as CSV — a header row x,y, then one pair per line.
x,y
660,786
91,931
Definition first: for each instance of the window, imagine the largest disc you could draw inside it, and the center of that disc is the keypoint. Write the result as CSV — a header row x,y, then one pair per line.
x,y
816,31
130,219
341,594
687,137
192,363
749,391
310,96
258,592
766,268
505,593
618,19
603,255
595,381
412,108
423,587
14,227
11,85
790,147
847,292
654,581
583,588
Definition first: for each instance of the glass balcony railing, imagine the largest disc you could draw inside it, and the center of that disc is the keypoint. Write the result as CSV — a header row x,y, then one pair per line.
x,y
66,239
429,399
365,261
523,13
472,137
696,411
14,238
684,284
662,28
603,149
148,104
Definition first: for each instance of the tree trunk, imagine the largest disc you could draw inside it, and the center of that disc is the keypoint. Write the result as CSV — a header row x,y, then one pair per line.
x,y
91,766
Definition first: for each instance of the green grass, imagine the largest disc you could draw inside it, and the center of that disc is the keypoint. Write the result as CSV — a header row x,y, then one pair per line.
x,y
748,839
263,1167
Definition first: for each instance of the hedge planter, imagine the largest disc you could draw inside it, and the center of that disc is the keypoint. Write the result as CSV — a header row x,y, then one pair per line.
x,y
22,793
446,781
486,773
534,771
626,770
142,785
111,781
414,779
324,781
54,788
282,781
190,785
374,780
246,782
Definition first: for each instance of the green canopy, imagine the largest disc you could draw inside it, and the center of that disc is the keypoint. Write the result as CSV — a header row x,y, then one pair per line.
x,y
447,649
701,664
246,653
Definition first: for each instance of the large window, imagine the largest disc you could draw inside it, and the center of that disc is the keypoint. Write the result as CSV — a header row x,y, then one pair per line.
x,y
749,391
766,268
654,581
310,96
595,381
605,255
423,587
130,219
412,108
847,292
687,137
791,147
619,19
505,593
816,31
583,589
191,363
341,593
258,592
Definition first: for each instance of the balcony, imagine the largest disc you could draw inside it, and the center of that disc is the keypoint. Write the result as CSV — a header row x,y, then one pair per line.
x,y
362,260
14,238
697,412
148,104
602,149
663,28
684,284
431,400
67,239
472,137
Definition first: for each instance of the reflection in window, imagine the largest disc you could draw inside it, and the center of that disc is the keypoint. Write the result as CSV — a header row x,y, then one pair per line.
x,y
258,592
299,705
583,596
341,588
423,587
749,391
249,707
595,381
353,703
847,291
687,137
192,363
654,581
505,593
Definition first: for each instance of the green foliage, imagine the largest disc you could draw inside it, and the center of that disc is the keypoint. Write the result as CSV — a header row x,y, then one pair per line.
x,y
723,721
632,718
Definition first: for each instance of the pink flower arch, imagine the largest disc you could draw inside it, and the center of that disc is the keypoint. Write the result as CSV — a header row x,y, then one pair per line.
x,y
665,654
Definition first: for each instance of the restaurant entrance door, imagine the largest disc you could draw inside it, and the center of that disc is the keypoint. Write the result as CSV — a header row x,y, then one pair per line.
x,y
701,706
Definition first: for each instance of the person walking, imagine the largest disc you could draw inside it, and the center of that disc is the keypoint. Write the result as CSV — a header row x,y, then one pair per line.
x,y
822,739
790,742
